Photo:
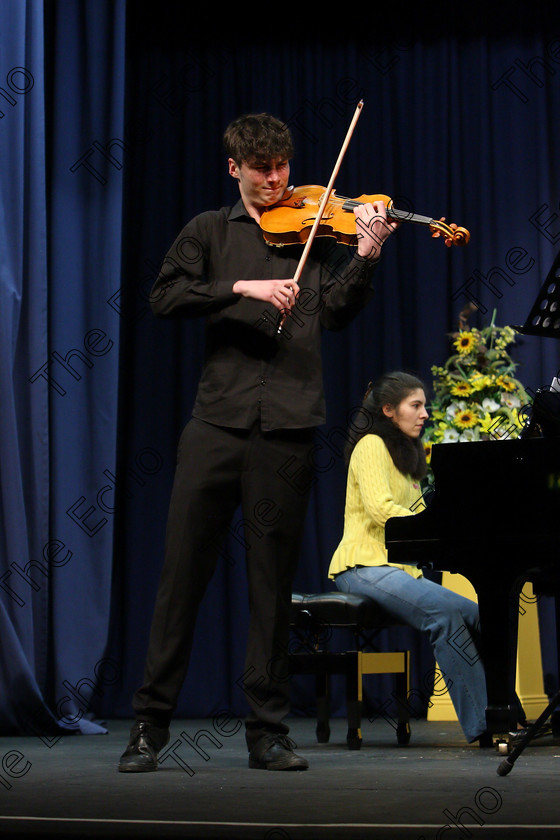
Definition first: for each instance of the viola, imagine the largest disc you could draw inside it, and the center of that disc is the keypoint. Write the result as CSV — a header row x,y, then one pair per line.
x,y
292,219
297,202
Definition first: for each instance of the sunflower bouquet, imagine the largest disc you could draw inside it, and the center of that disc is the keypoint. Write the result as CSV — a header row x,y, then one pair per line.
x,y
476,396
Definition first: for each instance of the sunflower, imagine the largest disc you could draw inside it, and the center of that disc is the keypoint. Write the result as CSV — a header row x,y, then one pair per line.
x,y
461,389
466,342
505,383
488,422
465,418
479,381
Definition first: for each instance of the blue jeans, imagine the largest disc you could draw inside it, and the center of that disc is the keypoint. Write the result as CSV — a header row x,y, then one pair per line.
x,y
450,619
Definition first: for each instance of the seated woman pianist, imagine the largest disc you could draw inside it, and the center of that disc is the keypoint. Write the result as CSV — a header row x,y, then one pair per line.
x,y
386,464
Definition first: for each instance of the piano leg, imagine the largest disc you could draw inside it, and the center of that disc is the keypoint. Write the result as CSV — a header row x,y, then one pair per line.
x,y
498,604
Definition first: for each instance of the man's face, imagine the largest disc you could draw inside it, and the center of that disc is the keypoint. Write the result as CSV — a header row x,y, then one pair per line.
x,y
261,183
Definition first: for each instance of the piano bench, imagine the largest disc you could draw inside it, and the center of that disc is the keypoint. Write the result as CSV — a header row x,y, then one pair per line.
x,y
312,618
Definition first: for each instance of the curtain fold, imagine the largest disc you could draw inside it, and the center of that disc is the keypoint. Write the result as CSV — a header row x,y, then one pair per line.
x,y
24,421
86,157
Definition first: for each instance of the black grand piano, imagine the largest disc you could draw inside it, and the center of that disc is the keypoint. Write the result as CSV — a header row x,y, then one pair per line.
x,y
495,518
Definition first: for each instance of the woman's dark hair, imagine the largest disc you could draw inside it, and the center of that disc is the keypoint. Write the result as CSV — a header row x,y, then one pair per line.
x,y
391,389
255,138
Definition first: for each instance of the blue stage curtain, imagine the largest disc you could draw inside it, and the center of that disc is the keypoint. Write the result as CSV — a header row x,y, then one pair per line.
x,y
110,140
61,244
24,417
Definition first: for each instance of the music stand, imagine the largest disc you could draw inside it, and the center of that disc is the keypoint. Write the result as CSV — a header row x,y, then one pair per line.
x,y
506,765
544,321
544,318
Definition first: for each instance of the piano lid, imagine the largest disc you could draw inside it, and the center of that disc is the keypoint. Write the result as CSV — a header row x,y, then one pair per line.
x,y
544,318
498,497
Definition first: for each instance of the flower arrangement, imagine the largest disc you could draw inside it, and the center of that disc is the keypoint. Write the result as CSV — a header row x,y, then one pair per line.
x,y
476,396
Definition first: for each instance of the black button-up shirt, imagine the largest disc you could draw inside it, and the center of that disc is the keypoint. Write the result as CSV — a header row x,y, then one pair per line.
x,y
251,370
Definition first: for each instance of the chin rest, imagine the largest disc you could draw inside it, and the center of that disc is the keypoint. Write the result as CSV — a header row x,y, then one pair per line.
x,y
313,617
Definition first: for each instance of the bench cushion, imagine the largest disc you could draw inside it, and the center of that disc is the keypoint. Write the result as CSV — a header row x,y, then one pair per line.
x,y
342,609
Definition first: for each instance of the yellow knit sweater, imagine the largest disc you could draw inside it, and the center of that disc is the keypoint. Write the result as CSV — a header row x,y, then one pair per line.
x,y
376,491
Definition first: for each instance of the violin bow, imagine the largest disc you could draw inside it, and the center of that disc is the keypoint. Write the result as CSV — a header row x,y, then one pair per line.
x,y
326,197
328,191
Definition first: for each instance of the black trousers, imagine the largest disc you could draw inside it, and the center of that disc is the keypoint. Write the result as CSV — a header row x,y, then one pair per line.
x,y
217,469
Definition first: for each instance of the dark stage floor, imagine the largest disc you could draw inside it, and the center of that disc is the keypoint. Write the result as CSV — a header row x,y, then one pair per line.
x,y
435,787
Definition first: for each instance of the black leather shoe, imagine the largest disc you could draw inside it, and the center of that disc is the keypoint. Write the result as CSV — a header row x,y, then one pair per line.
x,y
146,740
276,752
544,731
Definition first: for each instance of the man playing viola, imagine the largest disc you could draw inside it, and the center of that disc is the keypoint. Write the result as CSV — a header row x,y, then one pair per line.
x,y
250,436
